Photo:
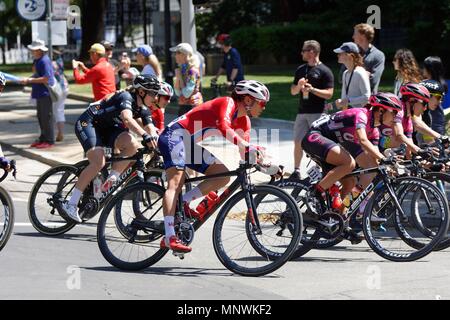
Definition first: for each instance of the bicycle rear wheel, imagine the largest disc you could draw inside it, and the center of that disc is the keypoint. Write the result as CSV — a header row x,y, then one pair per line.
x,y
53,187
402,239
6,217
235,239
131,226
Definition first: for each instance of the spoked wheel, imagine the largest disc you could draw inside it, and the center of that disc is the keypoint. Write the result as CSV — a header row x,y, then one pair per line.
x,y
246,250
130,227
6,217
442,181
402,239
51,189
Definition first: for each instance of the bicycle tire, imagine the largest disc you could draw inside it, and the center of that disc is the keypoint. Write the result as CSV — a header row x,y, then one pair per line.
x,y
111,208
274,264
403,184
433,177
9,215
32,212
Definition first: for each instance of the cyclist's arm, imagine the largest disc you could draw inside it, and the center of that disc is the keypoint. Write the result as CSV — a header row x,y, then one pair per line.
x,y
130,123
367,145
423,128
400,136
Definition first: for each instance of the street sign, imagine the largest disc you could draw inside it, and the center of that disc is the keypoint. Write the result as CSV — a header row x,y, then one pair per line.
x,y
60,9
59,32
31,9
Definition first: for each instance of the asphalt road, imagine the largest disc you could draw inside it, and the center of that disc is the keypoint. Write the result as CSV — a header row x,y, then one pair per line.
x,y
33,266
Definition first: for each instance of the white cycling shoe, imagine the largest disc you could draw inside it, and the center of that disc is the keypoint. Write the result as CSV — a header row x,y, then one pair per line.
x,y
71,211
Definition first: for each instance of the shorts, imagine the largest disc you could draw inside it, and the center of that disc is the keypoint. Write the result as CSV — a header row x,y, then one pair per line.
x,y
179,150
317,146
303,123
91,137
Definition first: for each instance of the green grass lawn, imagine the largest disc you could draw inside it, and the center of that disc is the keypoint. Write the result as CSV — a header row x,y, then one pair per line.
x,y
278,79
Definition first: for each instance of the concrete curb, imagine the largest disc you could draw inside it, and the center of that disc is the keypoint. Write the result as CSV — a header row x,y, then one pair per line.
x,y
31,155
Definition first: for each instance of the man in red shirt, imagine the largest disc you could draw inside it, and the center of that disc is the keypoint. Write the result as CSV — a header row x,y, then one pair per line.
x,y
101,75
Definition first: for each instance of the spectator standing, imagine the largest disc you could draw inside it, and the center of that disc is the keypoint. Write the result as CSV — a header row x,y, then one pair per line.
x,y
355,80
373,58
113,62
187,78
315,81
101,75
43,76
407,69
231,61
58,106
149,62
433,69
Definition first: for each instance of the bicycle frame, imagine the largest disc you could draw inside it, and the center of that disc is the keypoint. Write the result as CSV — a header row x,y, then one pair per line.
x,y
242,180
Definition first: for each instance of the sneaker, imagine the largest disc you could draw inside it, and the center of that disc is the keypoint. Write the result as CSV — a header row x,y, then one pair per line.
x,y
44,145
295,176
174,244
71,211
59,137
34,144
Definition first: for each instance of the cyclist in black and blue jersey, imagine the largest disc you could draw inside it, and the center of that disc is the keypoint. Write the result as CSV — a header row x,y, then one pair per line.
x,y
106,123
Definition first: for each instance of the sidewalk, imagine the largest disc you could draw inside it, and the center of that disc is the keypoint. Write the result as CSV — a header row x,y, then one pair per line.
x,y
19,128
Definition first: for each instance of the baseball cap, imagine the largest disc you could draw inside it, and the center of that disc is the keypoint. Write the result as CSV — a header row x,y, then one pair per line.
x,y
108,45
184,47
144,49
97,48
347,47
435,87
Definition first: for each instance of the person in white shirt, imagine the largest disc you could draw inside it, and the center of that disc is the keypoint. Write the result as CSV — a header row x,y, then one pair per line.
x,y
355,80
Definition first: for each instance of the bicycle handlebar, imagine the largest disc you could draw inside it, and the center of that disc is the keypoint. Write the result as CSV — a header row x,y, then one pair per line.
x,y
12,165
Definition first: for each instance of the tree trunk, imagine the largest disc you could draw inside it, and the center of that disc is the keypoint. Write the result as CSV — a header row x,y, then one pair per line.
x,y
92,24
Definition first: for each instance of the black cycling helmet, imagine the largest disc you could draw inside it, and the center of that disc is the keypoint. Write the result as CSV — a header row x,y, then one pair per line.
x,y
417,91
147,83
434,87
387,101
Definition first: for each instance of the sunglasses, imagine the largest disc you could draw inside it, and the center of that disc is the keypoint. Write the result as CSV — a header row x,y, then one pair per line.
x,y
437,96
260,103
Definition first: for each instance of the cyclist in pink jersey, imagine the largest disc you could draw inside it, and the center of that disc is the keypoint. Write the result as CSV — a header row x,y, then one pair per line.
x,y
415,98
227,117
396,128
341,141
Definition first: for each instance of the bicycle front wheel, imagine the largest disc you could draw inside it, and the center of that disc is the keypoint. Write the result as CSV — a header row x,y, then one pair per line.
x,y
131,226
51,189
402,239
245,249
6,217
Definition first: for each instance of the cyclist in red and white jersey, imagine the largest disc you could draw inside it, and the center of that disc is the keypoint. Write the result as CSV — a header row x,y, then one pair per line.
x,y
226,116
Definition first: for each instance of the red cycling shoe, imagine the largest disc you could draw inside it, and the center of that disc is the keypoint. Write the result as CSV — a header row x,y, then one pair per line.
x,y
174,244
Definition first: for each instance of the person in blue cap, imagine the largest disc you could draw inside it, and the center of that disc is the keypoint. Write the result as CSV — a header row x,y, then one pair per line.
x,y
146,58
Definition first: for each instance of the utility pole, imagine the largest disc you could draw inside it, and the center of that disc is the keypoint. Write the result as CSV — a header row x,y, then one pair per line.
x,y
49,29
168,37
2,10
188,32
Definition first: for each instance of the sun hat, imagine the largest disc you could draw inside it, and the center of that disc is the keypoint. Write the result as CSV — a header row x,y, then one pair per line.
x,y
184,47
38,45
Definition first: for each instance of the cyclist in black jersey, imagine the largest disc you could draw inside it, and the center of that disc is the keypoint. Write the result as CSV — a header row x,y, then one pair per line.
x,y
105,124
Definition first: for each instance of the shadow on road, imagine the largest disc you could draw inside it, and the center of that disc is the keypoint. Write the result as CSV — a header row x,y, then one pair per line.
x,y
177,272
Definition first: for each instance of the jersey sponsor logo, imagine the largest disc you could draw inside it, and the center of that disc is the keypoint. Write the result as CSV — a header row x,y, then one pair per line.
x,y
386,132
348,137
314,137
84,124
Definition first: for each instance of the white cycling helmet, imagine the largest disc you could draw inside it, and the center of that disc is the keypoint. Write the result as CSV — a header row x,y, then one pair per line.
x,y
253,88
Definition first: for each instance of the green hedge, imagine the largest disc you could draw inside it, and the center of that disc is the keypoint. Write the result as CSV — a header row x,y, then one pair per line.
x,y
284,41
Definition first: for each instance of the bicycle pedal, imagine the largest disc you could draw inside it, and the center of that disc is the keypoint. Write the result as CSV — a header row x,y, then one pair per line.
x,y
178,254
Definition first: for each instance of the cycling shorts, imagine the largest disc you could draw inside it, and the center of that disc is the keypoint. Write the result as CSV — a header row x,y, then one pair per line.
x,y
179,150
91,136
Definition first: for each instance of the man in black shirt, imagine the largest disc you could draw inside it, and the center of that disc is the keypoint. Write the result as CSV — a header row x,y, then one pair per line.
x,y
315,83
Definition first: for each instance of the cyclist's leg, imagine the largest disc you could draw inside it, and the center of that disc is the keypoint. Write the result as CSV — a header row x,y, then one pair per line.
x,y
127,146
